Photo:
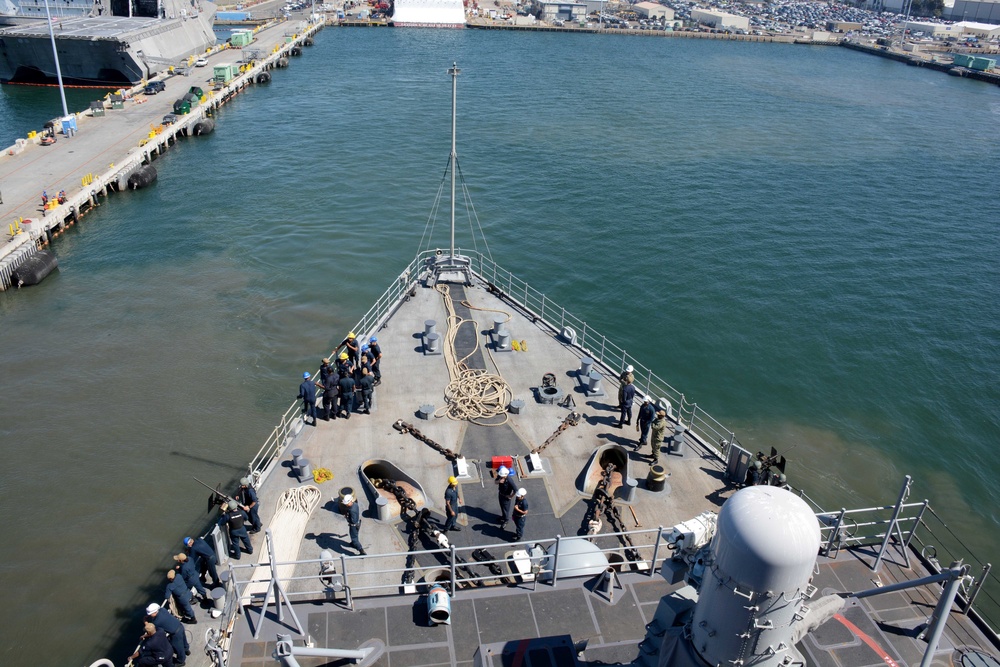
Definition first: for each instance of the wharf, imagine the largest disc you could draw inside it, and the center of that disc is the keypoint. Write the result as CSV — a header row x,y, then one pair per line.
x,y
98,159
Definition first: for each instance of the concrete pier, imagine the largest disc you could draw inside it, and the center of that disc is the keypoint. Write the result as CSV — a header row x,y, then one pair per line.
x,y
99,157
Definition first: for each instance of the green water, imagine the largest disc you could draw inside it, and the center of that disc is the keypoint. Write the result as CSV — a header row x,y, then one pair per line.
x,y
802,239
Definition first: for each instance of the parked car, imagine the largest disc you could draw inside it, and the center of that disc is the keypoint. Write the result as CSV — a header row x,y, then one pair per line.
x,y
154,87
169,119
201,62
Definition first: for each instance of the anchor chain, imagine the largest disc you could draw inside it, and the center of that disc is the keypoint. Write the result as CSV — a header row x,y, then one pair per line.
x,y
572,419
602,503
403,427
406,503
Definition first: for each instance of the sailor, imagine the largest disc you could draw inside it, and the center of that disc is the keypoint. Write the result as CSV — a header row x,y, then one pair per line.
x,y
171,626
185,567
376,355
366,385
178,588
451,505
246,496
346,391
349,508
351,343
625,401
325,369
647,413
154,648
234,518
506,490
658,429
344,366
364,361
755,475
624,378
307,392
330,390
204,558
520,513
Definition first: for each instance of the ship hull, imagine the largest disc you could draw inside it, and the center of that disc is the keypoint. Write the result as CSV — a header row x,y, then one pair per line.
x,y
102,51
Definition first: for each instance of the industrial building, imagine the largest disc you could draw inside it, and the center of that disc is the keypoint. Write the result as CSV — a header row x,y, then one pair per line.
x,y
981,11
654,10
561,11
720,20
930,29
981,30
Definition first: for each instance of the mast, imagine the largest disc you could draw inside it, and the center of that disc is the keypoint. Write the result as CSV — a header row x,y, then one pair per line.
x,y
453,160
55,56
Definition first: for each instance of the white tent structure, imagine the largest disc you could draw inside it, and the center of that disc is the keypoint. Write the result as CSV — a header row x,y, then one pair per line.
x,y
429,13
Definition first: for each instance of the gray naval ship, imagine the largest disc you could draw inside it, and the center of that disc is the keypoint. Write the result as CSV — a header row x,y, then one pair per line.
x,y
107,43
688,552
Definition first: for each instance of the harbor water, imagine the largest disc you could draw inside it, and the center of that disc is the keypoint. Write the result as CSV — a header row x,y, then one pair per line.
x,y
801,239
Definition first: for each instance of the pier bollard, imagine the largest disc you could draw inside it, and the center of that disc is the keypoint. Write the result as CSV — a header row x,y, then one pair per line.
x,y
382,507
656,480
498,322
305,470
432,343
296,457
586,365
430,326
677,442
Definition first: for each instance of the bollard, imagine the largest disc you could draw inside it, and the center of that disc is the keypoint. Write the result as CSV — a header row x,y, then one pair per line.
x,y
516,406
219,598
305,470
432,342
430,326
503,340
425,411
382,507
498,322
628,489
594,384
677,442
586,365
296,457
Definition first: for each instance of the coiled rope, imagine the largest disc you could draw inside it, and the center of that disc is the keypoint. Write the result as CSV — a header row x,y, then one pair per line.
x,y
473,394
287,529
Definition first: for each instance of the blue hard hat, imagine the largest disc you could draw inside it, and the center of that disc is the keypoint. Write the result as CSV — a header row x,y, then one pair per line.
x,y
306,376
187,539
373,339
364,347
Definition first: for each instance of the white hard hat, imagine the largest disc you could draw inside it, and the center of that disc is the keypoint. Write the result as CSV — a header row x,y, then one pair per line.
x,y
629,368
502,471
522,492
152,609
348,499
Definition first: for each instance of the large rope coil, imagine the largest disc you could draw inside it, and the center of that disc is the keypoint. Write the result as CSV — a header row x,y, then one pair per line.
x,y
473,394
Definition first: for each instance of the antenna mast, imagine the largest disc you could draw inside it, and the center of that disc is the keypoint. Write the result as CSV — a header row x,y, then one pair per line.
x,y
454,153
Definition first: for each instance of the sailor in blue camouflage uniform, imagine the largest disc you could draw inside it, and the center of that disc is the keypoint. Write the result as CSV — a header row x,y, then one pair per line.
x,y
178,589
172,627
204,558
451,505
235,520
246,496
506,491
154,649
647,413
349,508
366,387
185,567
307,392
375,352
520,513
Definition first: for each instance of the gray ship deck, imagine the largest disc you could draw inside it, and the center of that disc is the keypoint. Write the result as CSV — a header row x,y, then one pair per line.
x,y
87,27
629,629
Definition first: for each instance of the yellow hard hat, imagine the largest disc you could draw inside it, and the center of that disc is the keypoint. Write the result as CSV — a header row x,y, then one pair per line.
x,y
452,480
343,355
351,335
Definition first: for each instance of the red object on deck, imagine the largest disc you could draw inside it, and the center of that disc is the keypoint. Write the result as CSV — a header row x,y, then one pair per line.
x,y
498,461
